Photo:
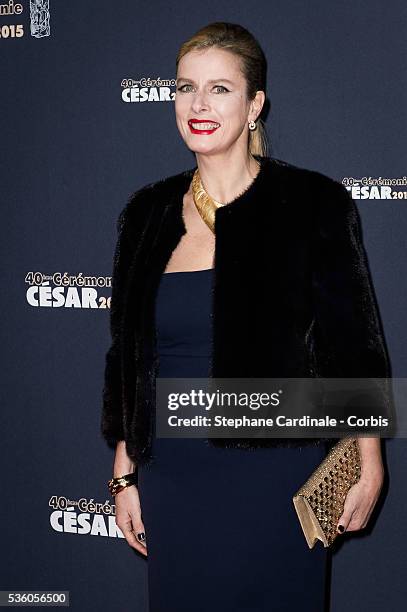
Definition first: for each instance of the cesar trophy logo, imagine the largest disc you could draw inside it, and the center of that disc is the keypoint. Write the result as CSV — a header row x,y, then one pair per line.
x,y
146,89
39,18
376,188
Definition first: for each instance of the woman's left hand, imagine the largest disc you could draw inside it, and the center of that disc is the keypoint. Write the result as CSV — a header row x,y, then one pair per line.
x,y
361,499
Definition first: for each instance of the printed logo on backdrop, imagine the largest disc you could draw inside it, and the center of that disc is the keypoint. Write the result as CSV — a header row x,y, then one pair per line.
x,y
67,290
39,19
379,188
83,517
148,90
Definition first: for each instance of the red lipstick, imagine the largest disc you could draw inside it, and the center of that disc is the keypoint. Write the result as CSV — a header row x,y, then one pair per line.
x,y
208,126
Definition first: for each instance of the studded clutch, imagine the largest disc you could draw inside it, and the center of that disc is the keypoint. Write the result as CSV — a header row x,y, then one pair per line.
x,y
320,501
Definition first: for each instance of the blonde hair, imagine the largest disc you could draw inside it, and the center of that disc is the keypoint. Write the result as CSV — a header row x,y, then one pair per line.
x,y
240,42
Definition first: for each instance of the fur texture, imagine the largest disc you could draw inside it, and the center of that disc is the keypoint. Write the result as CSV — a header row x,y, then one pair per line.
x,y
293,295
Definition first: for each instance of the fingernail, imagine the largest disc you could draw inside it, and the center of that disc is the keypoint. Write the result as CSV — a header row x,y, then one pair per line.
x,y
141,536
341,528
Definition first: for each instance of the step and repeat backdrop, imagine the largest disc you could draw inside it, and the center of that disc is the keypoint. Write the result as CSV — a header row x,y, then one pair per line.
x,y
87,117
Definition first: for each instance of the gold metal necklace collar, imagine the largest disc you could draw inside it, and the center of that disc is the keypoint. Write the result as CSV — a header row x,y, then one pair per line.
x,y
206,205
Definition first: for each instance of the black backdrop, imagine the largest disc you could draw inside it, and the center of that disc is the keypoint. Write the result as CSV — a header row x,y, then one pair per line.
x,y
72,150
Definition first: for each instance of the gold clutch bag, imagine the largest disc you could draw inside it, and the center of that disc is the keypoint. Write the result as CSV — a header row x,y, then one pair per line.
x,y
320,501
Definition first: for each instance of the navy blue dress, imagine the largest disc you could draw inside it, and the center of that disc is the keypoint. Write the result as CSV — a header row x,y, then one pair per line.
x,y
220,526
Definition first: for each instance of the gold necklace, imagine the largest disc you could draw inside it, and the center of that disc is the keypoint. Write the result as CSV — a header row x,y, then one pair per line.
x,y
206,205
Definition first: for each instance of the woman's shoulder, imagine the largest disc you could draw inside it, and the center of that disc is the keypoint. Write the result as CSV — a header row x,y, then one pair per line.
x,y
315,191
156,193
300,177
169,184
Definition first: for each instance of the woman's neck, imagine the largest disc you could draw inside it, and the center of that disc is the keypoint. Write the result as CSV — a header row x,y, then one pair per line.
x,y
224,178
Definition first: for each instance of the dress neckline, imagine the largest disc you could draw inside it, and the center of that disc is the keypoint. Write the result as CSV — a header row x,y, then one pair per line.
x,y
188,271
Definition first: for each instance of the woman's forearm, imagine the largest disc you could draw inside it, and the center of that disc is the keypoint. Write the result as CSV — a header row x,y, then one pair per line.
x,y
371,456
122,462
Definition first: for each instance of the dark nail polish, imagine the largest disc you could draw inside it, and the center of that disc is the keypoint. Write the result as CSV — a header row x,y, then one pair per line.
x,y
341,528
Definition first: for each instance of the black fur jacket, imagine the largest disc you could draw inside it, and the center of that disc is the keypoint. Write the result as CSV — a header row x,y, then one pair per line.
x,y
293,296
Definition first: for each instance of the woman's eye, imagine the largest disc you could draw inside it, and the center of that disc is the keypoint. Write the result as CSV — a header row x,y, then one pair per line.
x,y
222,87
182,87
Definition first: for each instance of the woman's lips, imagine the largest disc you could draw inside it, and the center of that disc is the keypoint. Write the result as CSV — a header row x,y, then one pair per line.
x,y
202,126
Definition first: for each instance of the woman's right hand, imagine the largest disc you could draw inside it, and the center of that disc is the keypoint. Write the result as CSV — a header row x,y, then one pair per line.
x,y
128,517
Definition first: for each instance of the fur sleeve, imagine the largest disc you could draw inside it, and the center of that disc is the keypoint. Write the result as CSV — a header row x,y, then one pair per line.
x,y
348,336
129,226
112,421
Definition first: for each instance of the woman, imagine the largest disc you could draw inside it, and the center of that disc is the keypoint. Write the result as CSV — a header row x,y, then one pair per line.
x,y
221,530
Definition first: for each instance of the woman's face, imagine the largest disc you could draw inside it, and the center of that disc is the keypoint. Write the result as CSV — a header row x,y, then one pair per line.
x,y
211,88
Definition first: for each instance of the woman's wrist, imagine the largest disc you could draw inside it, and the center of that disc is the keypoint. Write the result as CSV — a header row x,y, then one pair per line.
x,y
123,468
371,459
120,473
122,463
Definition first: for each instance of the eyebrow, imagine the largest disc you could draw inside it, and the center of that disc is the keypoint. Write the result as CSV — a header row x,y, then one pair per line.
x,y
210,81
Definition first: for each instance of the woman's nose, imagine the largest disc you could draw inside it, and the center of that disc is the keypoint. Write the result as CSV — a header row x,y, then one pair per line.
x,y
200,103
